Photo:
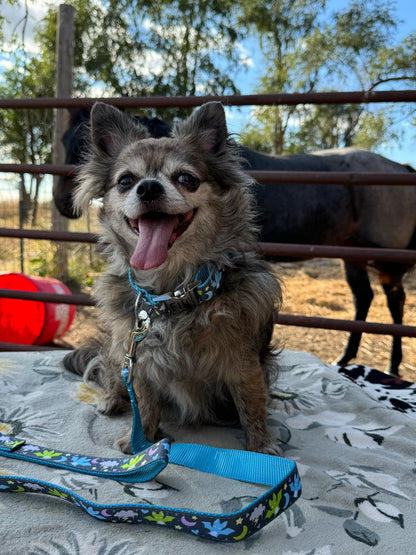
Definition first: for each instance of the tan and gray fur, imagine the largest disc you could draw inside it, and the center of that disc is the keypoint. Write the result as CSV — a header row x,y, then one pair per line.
x,y
201,360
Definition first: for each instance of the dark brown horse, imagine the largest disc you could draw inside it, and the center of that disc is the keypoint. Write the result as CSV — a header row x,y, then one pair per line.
x,y
371,216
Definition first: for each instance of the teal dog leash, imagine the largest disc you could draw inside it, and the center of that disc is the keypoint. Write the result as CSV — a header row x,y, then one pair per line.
x,y
146,463
148,460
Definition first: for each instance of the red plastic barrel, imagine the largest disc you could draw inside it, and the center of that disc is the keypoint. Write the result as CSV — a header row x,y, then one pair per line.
x,y
33,322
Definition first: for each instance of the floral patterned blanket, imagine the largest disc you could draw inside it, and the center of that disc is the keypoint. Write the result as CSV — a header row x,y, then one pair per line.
x,y
351,431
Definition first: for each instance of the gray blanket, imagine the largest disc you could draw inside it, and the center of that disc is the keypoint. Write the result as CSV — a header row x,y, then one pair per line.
x,y
351,432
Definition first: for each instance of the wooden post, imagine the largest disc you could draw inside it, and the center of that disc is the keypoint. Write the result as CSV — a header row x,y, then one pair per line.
x,y
63,89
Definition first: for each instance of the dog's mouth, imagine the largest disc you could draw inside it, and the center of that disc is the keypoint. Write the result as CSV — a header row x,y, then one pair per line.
x,y
157,232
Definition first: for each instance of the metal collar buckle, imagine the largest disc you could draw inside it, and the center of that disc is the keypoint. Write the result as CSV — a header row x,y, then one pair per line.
x,y
187,296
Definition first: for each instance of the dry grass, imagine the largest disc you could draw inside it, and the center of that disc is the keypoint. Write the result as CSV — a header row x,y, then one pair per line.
x,y
38,257
317,288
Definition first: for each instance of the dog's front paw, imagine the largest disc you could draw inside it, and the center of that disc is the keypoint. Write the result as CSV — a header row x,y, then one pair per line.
x,y
112,404
272,448
267,446
124,443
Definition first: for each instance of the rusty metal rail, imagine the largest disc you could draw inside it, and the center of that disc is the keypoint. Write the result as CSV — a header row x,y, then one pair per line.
x,y
281,250
287,177
282,319
288,99
81,299
288,250
36,169
21,347
67,236
346,325
334,178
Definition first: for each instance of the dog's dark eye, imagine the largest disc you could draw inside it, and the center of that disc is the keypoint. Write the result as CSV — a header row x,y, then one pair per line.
x,y
126,182
188,180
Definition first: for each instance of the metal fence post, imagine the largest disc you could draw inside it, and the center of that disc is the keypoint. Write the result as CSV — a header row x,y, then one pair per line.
x,y
63,88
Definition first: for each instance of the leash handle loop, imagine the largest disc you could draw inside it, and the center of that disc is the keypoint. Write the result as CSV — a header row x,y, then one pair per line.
x,y
227,527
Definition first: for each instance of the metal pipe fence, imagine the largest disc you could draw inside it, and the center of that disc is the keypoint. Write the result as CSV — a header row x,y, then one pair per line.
x,y
293,178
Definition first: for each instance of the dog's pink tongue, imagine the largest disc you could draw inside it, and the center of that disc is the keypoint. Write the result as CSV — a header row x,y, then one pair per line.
x,y
152,246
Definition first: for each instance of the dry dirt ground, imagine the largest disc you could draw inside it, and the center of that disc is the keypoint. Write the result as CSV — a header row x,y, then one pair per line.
x,y
317,288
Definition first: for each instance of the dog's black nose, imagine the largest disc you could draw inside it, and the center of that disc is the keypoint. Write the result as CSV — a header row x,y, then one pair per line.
x,y
149,189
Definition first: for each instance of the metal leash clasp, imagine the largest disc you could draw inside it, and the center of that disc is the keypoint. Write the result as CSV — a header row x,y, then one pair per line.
x,y
137,334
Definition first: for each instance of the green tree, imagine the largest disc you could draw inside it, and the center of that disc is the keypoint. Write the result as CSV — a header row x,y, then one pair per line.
x,y
352,49
282,27
140,48
26,135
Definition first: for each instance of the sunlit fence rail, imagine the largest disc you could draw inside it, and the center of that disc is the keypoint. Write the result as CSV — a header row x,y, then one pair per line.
x,y
288,99
292,178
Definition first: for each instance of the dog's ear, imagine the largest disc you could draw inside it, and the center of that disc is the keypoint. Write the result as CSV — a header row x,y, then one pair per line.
x,y
206,127
112,129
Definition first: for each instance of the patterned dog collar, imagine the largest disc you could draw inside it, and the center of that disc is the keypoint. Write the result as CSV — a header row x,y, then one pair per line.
x,y
206,284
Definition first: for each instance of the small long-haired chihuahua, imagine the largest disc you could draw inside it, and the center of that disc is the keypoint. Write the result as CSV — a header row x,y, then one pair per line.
x,y
180,239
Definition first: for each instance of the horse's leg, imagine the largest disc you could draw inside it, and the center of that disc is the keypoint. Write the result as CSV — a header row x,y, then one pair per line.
x,y
357,279
396,296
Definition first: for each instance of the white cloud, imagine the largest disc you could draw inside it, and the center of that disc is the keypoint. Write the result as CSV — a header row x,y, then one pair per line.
x,y
246,59
15,22
5,65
